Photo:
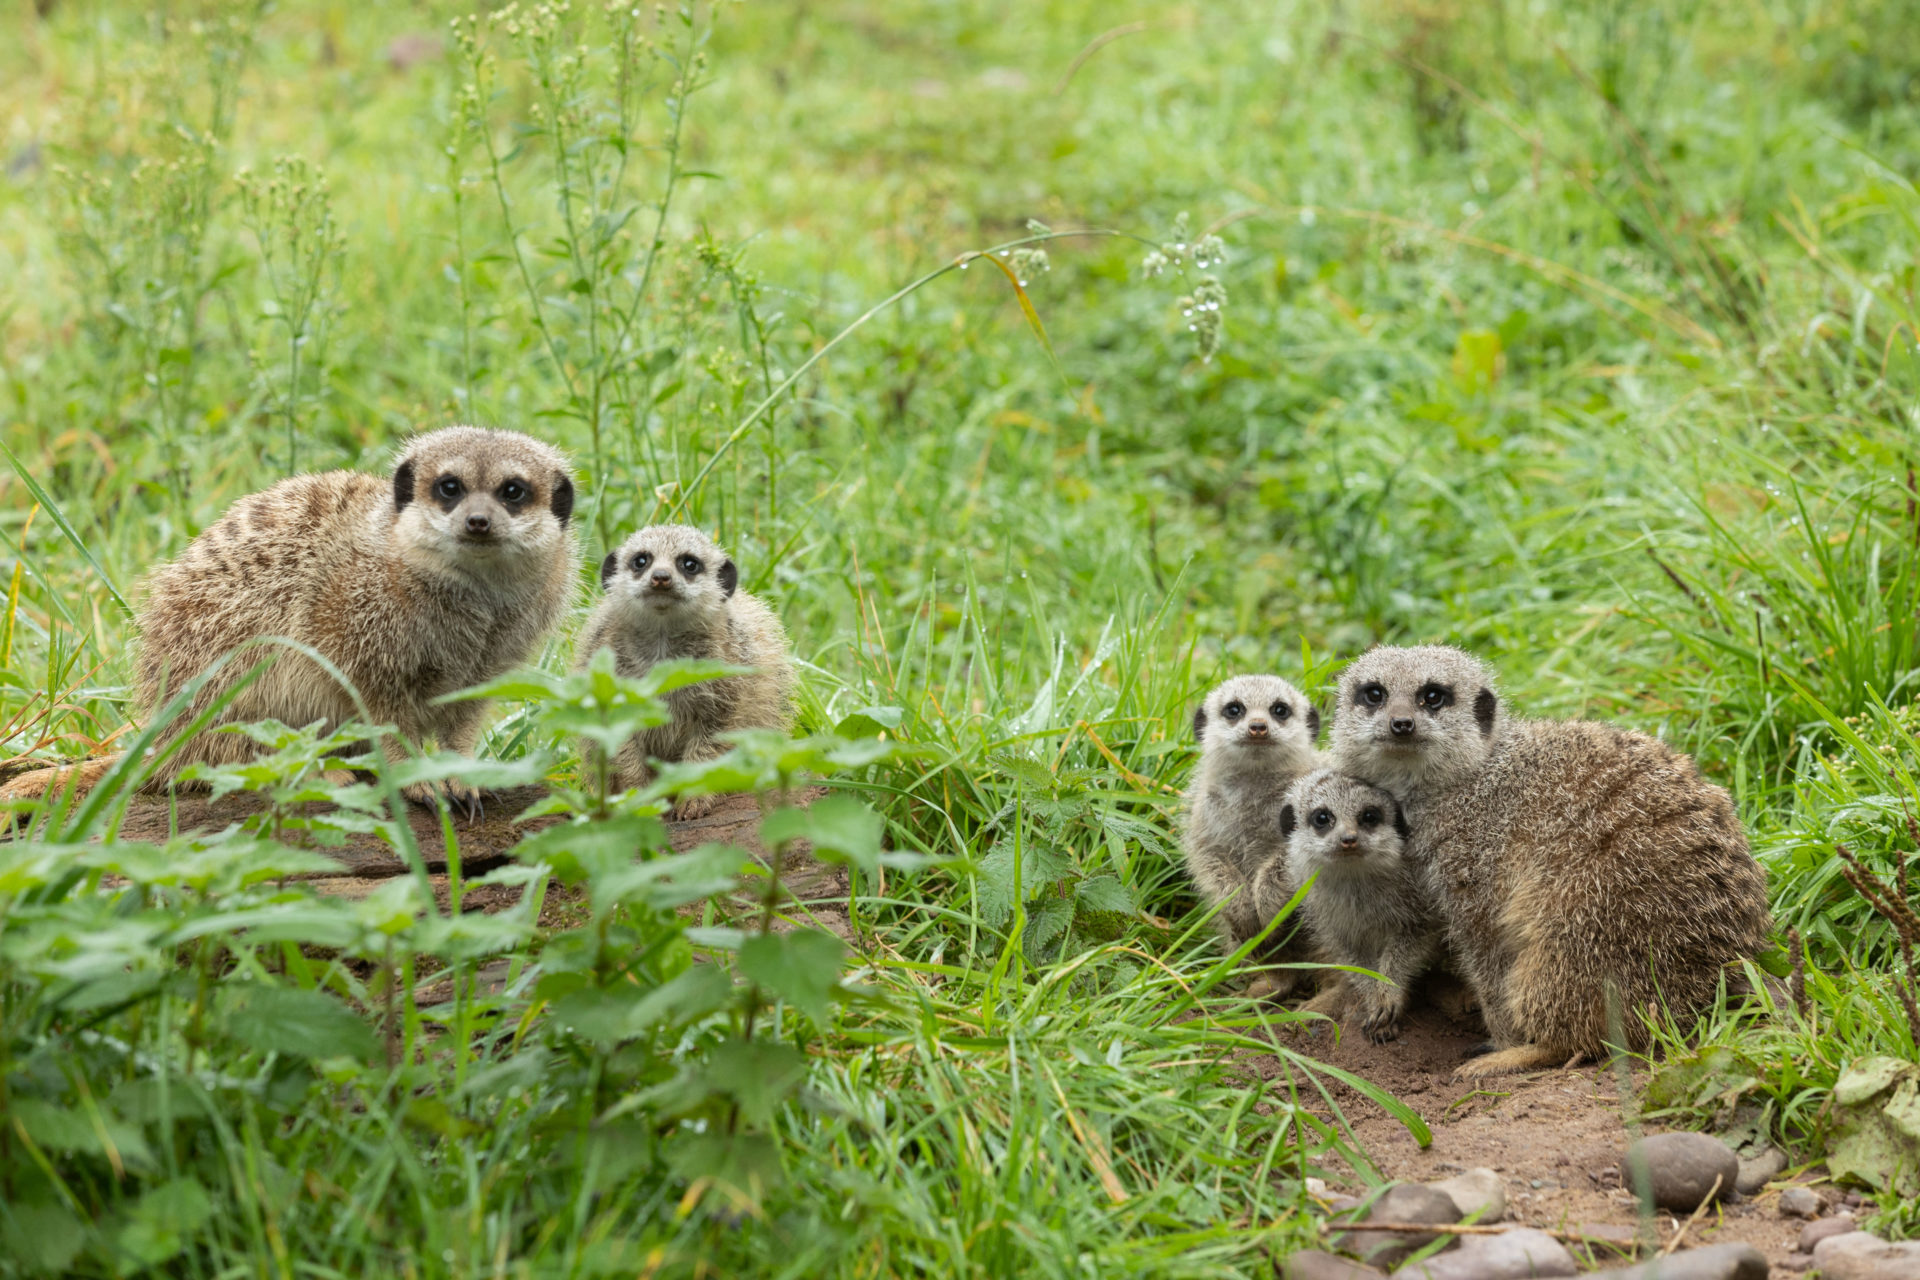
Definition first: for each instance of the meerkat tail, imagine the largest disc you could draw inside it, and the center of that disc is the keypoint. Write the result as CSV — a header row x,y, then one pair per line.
x,y
1524,1057
37,784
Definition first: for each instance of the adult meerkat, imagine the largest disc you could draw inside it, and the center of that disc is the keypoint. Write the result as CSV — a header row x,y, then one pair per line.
x,y
672,593
1370,905
436,579
1586,871
1256,736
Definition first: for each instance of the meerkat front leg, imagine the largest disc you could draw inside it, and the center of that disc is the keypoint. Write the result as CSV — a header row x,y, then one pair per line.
x,y
686,808
1382,1004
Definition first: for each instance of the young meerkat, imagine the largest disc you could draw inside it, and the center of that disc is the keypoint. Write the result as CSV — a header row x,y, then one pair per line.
x,y
1369,904
671,593
1256,736
437,579
1586,871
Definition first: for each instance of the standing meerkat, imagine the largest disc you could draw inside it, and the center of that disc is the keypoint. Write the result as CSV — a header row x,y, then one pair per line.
x,y
1370,905
1256,736
435,580
1586,871
671,593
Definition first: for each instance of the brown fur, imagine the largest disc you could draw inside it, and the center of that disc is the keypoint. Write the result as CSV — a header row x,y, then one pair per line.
x,y
386,579
1232,827
1587,871
692,614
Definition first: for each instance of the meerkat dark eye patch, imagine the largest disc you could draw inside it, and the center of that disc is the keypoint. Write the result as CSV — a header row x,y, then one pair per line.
x,y
1313,721
1200,724
691,566
729,577
1400,824
1371,694
1484,704
1280,710
1369,817
1287,820
640,561
608,568
402,485
562,504
447,491
1234,710
513,492
1321,819
1435,697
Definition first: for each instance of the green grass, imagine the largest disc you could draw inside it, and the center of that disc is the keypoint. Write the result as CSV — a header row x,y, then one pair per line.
x,y
1589,343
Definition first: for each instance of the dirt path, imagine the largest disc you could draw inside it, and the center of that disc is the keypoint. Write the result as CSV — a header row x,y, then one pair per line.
x,y
1555,1137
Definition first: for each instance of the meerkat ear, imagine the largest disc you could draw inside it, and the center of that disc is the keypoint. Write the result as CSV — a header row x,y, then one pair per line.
x,y
607,567
1200,724
1400,824
563,500
1287,822
403,484
1484,704
1313,721
729,576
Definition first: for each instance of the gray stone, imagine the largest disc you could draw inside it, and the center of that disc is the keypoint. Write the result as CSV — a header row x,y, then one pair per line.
x,y
1756,1173
1479,1194
1402,1202
1314,1265
1859,1255
1520,1254
1709,1262
1682,1167
1797,1261
1801,1202
1820,1228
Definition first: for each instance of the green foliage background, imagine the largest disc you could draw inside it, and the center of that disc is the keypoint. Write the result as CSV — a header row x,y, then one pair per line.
x,y
1583,335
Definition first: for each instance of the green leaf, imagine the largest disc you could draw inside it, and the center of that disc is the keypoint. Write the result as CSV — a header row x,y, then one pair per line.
x,y
59,518
83,1130
1040,869
580,851
45,1236
1104,893
800,967
299,1022
745,1165
870,722
1047,923
163,1221
840,828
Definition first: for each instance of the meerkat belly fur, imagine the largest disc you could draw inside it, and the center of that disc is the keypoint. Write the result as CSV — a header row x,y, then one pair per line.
x,y
438,579
1587,872
1256,737
1369,903
671,593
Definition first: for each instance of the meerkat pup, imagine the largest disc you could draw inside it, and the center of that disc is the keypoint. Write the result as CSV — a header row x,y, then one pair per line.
x,y
435,580
1369,905
1586,872
1256,736
671,593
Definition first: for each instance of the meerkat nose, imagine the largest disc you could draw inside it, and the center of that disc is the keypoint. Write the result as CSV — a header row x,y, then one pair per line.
x,y
661,577
478,524
1402,727
1348,839
1256,728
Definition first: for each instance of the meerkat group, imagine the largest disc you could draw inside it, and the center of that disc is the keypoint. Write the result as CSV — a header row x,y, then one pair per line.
x,y
366,600
1576,875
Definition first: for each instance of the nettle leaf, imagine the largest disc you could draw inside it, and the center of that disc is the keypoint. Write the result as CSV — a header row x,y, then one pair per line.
x,y
77,1129
1040,869
800,967
759,1075
745,1165
1047,923
839,827
870,722
673,881
609,1016
46,1237
579,851
163,1221
490,774
1103,893
298,1022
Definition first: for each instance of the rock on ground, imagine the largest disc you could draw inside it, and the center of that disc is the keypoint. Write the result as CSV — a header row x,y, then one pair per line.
x,y
1315,1265
1402,1202
1520,1254
1859,1255
1819,1229
1479,1194
1682,1168
1800,1202
1710,1262
1756,1173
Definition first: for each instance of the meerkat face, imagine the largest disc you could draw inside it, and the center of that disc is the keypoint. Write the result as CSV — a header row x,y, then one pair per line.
x,y
670,569
1415,711
1332,819
1257,719
468,494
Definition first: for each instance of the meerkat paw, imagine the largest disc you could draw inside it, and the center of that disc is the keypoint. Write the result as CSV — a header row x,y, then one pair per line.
x,y
687,808
1524,1057
1266,986
1380,1016
461,798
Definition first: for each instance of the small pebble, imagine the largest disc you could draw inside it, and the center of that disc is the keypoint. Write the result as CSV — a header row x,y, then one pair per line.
x,y
1819,1229
1800,1202
1479,1194
1709,1262
1315,1265
1859,1255
1520,1254
1766,1165
1402,1202
1682,1168
1797,1261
